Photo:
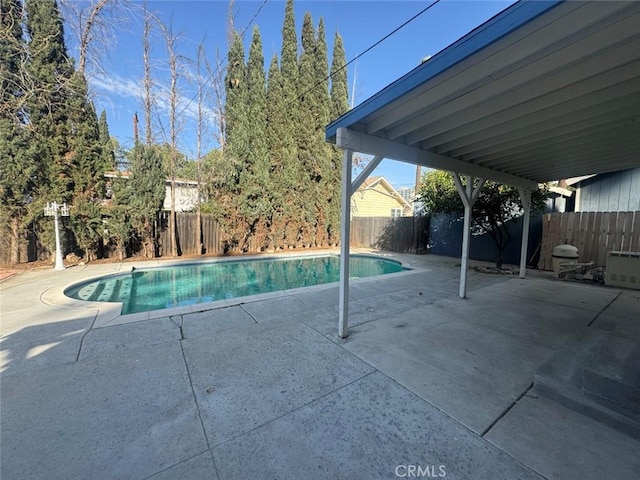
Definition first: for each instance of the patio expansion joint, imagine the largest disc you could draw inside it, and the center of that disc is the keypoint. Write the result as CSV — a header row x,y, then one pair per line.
x,y
605,308
500,417
176,464
195,399
507,410
311,402
241,305
93,321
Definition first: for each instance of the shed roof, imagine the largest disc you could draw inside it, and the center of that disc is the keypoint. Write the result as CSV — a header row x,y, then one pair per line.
x,y
540,92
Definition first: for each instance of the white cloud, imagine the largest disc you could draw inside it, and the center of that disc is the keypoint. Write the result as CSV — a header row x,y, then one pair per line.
x,y
128,88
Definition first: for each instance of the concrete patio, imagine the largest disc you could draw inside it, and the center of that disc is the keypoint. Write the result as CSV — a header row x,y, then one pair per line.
x,y
262,387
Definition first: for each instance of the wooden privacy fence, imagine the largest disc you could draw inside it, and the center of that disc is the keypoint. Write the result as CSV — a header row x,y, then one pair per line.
x,y
403,234
400,234
593,233
187,237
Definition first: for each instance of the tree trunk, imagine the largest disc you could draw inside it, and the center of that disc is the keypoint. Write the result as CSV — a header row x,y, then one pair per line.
x,y
172,221
15,240
199,245
499,260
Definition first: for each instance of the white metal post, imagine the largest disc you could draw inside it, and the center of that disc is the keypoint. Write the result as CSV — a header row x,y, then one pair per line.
x,y
53,210
468,195
466,234
59,263
525,197
345,233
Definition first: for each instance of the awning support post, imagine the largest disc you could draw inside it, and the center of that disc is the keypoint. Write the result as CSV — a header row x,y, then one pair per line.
x,y
345,233
525,197
468,194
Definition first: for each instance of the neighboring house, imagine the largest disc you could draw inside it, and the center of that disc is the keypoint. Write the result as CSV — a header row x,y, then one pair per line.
x,y
186,192
377,198
607,192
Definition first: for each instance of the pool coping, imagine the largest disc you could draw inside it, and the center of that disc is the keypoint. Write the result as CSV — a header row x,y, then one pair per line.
x,y
109,313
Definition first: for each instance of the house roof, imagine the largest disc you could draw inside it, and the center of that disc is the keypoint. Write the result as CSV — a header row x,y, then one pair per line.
x,y
371,183
542,91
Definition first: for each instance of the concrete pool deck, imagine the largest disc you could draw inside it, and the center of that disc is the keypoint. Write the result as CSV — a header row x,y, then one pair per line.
x,y
263,388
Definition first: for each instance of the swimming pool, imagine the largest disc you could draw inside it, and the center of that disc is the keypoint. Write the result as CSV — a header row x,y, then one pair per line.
x,y
143,290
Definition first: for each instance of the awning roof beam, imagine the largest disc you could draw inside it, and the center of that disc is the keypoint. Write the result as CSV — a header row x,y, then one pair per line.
x,y
361,142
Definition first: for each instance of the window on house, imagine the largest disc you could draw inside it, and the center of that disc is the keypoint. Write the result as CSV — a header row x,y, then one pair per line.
x,y
396,212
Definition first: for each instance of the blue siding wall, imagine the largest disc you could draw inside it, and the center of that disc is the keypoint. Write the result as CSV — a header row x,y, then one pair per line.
x,y
610,192
445,238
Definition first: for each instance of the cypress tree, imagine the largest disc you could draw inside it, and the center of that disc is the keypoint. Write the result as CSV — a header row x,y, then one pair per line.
x,y
306,133
65,125
322,79
146,194
279,140
289,55
339,87
108,155
19,172
255,185
12,56
237,143
292,170
51,70
339,106
324,151
85,152
226,199
86,170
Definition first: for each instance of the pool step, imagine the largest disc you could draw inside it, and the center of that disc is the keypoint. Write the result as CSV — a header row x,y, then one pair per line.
x,y
109,290
596,373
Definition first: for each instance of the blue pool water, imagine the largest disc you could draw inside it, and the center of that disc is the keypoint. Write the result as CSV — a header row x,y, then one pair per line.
x,y
166,287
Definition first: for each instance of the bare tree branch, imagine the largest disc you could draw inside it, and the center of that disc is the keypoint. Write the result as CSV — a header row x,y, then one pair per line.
x,y
147,79
93,24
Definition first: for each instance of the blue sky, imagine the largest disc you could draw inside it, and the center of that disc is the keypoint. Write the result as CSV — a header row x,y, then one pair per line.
x,y
361,23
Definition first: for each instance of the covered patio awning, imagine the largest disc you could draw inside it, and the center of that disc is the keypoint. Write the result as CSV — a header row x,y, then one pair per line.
x,y
542,91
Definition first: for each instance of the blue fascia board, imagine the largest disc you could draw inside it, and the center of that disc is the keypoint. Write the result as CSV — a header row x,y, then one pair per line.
x,y
505,22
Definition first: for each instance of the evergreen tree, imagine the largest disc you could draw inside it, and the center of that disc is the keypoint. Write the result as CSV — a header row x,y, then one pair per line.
x,y
237,143
13,56
87,169
322,79
226,200
324,150
306,130
256,205
65,125
106,144
146,195
279,142
339,106
118,213
292,170
339,86
85,158
50,69
19,172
